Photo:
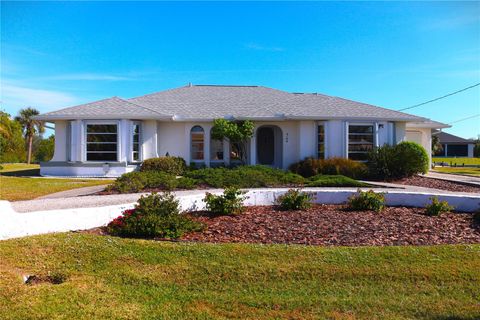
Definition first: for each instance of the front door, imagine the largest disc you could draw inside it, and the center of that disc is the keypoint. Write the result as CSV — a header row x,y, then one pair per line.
x,y
266,146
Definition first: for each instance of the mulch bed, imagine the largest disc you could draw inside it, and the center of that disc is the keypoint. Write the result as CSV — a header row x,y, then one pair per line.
x,y
437,184
334,225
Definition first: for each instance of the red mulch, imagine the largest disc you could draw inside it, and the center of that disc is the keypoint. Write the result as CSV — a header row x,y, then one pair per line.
x,y
334,225
437,184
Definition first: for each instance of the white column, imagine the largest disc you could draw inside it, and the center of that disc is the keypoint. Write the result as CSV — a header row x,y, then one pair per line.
x,y
124,143
149,141
345,139
400,132
60,152
206,145
80,149
471,146
253,148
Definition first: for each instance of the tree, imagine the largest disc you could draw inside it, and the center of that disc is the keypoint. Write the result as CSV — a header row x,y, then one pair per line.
x,y
45,149
237,132
12,144
437,147
30,127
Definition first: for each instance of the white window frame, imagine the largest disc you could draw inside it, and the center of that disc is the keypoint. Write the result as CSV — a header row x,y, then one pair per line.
x,y
85,135
140,141
374,136
190,145
324,124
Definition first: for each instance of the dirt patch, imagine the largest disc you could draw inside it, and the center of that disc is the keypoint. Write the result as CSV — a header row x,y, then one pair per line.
x,y
437,184
54,278
333,225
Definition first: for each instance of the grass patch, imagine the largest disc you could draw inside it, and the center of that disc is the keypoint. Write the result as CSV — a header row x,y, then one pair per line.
x,y
459,170
115,278
334,181
458,161
15,185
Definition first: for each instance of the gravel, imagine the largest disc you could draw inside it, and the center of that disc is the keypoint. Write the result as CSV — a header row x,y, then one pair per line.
x,y
437,184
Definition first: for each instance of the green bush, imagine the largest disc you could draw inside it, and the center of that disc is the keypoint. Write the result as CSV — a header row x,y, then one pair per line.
x,y
333,166
437,207
229,203
245,177
294,199
186,183
156,215
333,181
367,200
171,165
395,162
137,181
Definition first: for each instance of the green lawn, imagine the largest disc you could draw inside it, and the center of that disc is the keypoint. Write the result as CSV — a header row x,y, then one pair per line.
x,y
16,183
114,278
458,161
461,171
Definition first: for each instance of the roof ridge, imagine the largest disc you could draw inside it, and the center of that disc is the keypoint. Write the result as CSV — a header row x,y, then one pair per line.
x,y
225,85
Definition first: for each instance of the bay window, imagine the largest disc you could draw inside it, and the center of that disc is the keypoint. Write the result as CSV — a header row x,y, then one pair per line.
x,y
360,141
101,142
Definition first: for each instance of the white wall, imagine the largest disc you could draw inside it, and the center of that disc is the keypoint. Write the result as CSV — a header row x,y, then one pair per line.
x,y
149,136
172,140
60,152
422,136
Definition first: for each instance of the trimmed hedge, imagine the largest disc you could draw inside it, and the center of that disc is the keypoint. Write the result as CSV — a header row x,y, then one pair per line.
x,y
170,165
334,181
395,162
333,166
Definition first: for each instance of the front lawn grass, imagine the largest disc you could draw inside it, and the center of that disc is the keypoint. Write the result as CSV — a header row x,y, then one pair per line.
x,y
459,170
115,278
458,161
15,184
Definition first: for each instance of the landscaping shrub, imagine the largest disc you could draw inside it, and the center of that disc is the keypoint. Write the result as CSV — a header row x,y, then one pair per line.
x,y
186,183
437,207
245,177
229,203
137,181
170,165
394,162
367,200
156,215
333,166
294,199
333,181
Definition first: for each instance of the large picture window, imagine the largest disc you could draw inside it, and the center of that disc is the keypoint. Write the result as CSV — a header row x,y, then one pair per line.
x,y
360,141
102,142
321,141
136,142
197,136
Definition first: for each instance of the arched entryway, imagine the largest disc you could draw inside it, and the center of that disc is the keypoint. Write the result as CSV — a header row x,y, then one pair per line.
x,y
269,146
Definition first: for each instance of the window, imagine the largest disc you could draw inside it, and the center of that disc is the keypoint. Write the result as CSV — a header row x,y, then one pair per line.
x,y
216,150
321,141
360,141
101,142
197,142
136,142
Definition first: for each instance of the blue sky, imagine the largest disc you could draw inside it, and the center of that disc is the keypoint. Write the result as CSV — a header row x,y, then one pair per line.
x,y
395,55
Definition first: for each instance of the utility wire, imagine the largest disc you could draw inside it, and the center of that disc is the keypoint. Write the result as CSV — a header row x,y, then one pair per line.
x,y
467,118
447,95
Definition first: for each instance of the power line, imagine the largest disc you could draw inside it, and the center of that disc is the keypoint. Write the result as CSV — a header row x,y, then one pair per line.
x,y
467,118
447,95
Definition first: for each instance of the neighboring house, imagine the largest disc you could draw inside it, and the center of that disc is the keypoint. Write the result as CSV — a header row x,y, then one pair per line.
x,y
112,136
453,146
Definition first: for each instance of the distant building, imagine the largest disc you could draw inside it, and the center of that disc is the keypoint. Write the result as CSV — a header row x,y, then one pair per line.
x,y
453,146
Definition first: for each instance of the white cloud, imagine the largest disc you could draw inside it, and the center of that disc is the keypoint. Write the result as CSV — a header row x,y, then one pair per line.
x,y
14,97
258,47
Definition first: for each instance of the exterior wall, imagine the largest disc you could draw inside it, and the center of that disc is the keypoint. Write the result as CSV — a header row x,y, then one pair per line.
x,y
172,140
471,147
60,152
422,136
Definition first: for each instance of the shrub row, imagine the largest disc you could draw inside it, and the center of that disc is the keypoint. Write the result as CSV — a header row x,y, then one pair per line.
x,y
333,166
140,180
171,165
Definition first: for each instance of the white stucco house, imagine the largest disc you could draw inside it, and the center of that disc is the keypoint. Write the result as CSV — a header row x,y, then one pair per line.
x,y
112,136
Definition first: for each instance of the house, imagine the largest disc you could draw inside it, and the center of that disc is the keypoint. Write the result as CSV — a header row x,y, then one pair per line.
x,y
454,146
112,136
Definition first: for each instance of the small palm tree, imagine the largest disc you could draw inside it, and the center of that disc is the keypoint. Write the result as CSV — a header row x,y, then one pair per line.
x,y
30,127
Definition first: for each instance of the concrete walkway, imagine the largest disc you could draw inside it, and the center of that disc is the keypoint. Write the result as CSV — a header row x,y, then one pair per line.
x,y
470,180
85,191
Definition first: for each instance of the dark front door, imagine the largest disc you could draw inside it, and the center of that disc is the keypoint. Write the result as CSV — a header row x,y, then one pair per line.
x,y
265,146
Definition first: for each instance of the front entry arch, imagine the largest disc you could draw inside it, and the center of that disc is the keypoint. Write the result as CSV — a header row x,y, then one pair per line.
x,y
269,146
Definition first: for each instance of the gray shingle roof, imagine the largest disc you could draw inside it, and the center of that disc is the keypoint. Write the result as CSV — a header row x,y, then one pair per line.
x,y
206,102
111,108
450,138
